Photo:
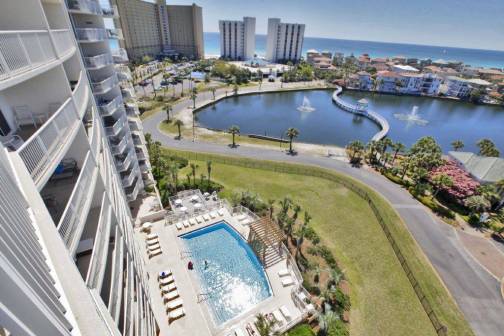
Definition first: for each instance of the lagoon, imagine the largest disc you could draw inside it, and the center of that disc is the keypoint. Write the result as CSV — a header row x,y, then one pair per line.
x,y
272,113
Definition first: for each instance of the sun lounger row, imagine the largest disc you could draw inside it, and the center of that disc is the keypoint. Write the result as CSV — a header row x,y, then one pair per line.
x,y
280,316
174,303
244,219
199,219
152,243
285,277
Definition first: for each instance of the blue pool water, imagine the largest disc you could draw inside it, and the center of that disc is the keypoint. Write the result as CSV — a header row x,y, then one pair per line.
x,y
234,276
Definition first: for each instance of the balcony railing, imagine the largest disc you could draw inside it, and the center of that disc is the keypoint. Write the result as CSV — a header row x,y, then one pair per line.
x,y
63,41
21,51
85,6
125,163
98,61
80,94
117,277
91,34
115,129
132,109
95,135
108,108
110,12
41,153
128,179
114,33
120,56
99,255
121,146
74,217
135,124
128,93
105,85
134,193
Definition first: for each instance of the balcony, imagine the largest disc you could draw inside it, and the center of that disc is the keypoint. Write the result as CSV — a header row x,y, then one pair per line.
x,y
98,61
135,125
114,33
42,152
81,94
120,56
115,128
132,109
128,179
91,34
123,164
121,146
84,7
108,108
110,12
105,85
22,51
74,217
95,136
128,93
132,192
124,76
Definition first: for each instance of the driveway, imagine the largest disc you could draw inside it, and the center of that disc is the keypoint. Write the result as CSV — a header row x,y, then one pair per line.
x,y
476,292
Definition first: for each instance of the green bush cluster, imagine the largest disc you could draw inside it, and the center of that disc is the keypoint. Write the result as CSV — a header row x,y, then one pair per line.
x,y
301,330
429,202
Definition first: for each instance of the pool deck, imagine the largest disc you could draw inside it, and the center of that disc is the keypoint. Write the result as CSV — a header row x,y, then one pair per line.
x,y
188,285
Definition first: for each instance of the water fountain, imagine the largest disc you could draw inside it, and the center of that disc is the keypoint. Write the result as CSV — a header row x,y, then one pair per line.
x,y
412,118
306,106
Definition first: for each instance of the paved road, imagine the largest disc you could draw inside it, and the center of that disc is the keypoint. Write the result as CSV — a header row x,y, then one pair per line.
x,y
476,292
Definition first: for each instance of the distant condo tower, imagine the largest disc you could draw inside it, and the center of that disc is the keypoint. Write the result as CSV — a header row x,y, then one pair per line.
x,y
237,38
285,41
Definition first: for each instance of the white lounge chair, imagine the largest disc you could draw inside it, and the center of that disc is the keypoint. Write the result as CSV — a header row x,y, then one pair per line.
x,y
153,241
200,219
179,225
192,221
206,217
213,214
154,247
221,212
155,253
168,296
168,288
174,304
151,236
278,317
310,307
241,217
247,221
283,272
286,313
239,332
166,280
287,281
175,314
186,223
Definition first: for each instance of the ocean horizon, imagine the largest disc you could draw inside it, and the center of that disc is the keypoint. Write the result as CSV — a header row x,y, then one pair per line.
x,y
473,57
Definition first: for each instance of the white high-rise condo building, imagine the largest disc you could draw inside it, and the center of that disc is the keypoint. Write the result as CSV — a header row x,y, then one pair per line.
x,y
72,160
285,41
237,38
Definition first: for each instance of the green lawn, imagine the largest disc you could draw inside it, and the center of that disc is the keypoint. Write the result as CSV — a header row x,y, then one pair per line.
x,y
383,301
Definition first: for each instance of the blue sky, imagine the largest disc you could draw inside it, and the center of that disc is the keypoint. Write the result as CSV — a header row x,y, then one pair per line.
x,y
453,23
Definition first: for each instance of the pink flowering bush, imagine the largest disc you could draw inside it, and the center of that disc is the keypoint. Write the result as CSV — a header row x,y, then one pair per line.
x,y
463,184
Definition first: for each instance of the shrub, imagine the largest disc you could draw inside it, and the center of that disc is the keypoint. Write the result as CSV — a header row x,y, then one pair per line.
x,y
301,330
395,178
463,184
159,98
337,328
312,235
434,206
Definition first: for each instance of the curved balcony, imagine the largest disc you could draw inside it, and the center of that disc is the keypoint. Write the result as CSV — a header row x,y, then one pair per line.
x,y
105,85
95,136
45,148
22,51
84,7
74,217
120,56
98,61
81,94
108,108
91,34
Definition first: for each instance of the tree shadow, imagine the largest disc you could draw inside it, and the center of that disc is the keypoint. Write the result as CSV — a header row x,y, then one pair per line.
x,y
233,146
291,153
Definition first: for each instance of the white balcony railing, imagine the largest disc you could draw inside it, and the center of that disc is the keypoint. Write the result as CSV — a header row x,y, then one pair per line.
x,y
115,129
96,135
80,94
91,34
41,153
98,61
85,6
110,12
128,179
63,41
117,277
121,146
98,260
114,33
108,108
133,195
135,124
105,85
132,109
125,163
21,51
74,217
120,56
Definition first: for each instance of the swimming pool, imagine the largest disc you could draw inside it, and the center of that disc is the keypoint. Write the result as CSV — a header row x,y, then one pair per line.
x,y
233,276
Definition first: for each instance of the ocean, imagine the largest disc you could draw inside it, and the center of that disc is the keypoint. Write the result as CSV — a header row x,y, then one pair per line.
x,y
473,57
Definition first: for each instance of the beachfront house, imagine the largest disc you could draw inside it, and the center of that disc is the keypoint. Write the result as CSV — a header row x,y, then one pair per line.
x,y
365,82
457,87
386,81
483,169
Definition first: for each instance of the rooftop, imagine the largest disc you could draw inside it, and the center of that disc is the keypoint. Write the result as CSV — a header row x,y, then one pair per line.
x,y
407,68
485,169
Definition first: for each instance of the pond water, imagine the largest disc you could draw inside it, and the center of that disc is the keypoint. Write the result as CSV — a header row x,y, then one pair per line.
x,y
272,113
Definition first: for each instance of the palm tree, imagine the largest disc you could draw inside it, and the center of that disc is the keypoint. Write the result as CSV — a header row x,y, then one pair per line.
x,y
296,209
209,169
477,204
264,326
234,130
213,92
173,168
168,109
194,95
179,123
302,232
487,148
148,140
325,320
356,147
271,203
193,171
441,181
291,134
289,227
398,147
457,145
235,89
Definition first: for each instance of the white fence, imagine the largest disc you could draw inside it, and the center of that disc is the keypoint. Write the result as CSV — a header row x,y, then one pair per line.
x,y
41,149
74,217
62,41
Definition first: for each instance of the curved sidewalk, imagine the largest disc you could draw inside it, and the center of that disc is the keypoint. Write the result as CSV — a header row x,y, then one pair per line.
x,y
476,292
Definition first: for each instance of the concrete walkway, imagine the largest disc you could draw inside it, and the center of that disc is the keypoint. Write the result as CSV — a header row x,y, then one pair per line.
x,y
475,290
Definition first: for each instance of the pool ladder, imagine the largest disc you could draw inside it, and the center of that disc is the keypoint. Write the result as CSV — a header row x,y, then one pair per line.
x,y
203,297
